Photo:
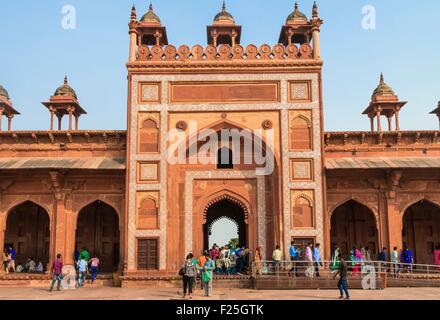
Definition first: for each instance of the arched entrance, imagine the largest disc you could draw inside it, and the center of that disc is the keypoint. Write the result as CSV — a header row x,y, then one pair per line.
x,y
98,231
421,230
353,224
28,231
217,213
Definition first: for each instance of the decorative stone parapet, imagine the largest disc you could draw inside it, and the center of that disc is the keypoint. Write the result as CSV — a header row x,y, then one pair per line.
x,y
238,53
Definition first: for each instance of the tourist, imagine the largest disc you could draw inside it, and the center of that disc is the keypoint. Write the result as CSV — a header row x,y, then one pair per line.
x,y
188,273
359,258
317,259
335,260
233,259
57,273
227,260
84,254
215,252
240,254
82,271
395,262
437,257
40,267
32,266
294,257
76,256
202,261
383,258
219,263
6,261
352,260
407,259
343,278
258,258
308,256
20,268
94,268
276,258
12,254
367,255
207,275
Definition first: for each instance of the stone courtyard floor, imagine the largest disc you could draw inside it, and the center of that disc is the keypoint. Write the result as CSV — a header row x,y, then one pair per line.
x,y
104,293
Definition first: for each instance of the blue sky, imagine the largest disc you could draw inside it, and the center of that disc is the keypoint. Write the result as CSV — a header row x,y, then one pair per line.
x,y
36,53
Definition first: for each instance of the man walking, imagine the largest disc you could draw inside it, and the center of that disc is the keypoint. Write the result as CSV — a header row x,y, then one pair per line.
x,y
82,271
343,282
94,268
317,259
12,254
294,257
57,273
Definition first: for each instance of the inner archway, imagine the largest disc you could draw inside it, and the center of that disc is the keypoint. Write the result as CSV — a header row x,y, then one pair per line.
x,y
28,231
421,230
353,224
98,232
221,212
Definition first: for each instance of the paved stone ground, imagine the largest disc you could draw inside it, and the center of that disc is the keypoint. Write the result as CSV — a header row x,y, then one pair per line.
x,y
219,294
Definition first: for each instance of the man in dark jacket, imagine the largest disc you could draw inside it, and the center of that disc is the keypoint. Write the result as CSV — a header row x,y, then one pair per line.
x,y
343,280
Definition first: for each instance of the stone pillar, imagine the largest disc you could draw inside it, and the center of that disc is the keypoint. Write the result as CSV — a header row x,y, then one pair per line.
x,y
60,118
395,225
1,117
52,116
379,128
133,36
316,44
77,122
10,117
372,123
70,110
397,121
2,235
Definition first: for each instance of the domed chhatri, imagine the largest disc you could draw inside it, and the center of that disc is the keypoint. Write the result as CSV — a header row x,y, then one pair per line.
x,y
4,92
224,16
296,15
65,90
150,16
383,88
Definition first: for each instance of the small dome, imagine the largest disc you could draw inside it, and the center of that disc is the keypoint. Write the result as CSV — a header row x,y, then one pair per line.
x,y
224,15
296,15
65,90
383,88
150,16
4,92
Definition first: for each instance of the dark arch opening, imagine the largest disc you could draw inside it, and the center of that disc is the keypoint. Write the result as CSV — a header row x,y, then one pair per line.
x,y
231,211
225,159
98,232
28,231
421,230
353,224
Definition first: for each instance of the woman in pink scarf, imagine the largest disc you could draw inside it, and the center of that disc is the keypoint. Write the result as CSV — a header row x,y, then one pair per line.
x,y
359,259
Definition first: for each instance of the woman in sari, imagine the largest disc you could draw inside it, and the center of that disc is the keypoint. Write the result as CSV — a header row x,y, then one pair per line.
x,y
258,261
359,260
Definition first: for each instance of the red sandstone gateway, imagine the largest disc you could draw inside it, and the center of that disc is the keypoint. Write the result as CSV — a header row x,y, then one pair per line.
x,y
114,193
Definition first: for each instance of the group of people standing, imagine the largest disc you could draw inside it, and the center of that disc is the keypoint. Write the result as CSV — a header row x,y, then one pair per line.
x,y
9,265
227,260
83,265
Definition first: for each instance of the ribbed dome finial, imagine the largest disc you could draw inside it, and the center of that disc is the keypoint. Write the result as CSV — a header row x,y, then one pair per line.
x,y
66,80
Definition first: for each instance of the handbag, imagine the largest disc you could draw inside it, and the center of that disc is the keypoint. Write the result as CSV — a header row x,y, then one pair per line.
x,y
182,271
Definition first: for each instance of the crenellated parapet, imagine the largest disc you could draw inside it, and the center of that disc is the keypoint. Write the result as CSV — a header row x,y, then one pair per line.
x,y
211,53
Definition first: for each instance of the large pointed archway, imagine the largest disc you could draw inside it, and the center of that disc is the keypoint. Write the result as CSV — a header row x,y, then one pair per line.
x,y
421,230
98,232
28,232
354,224
229,209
